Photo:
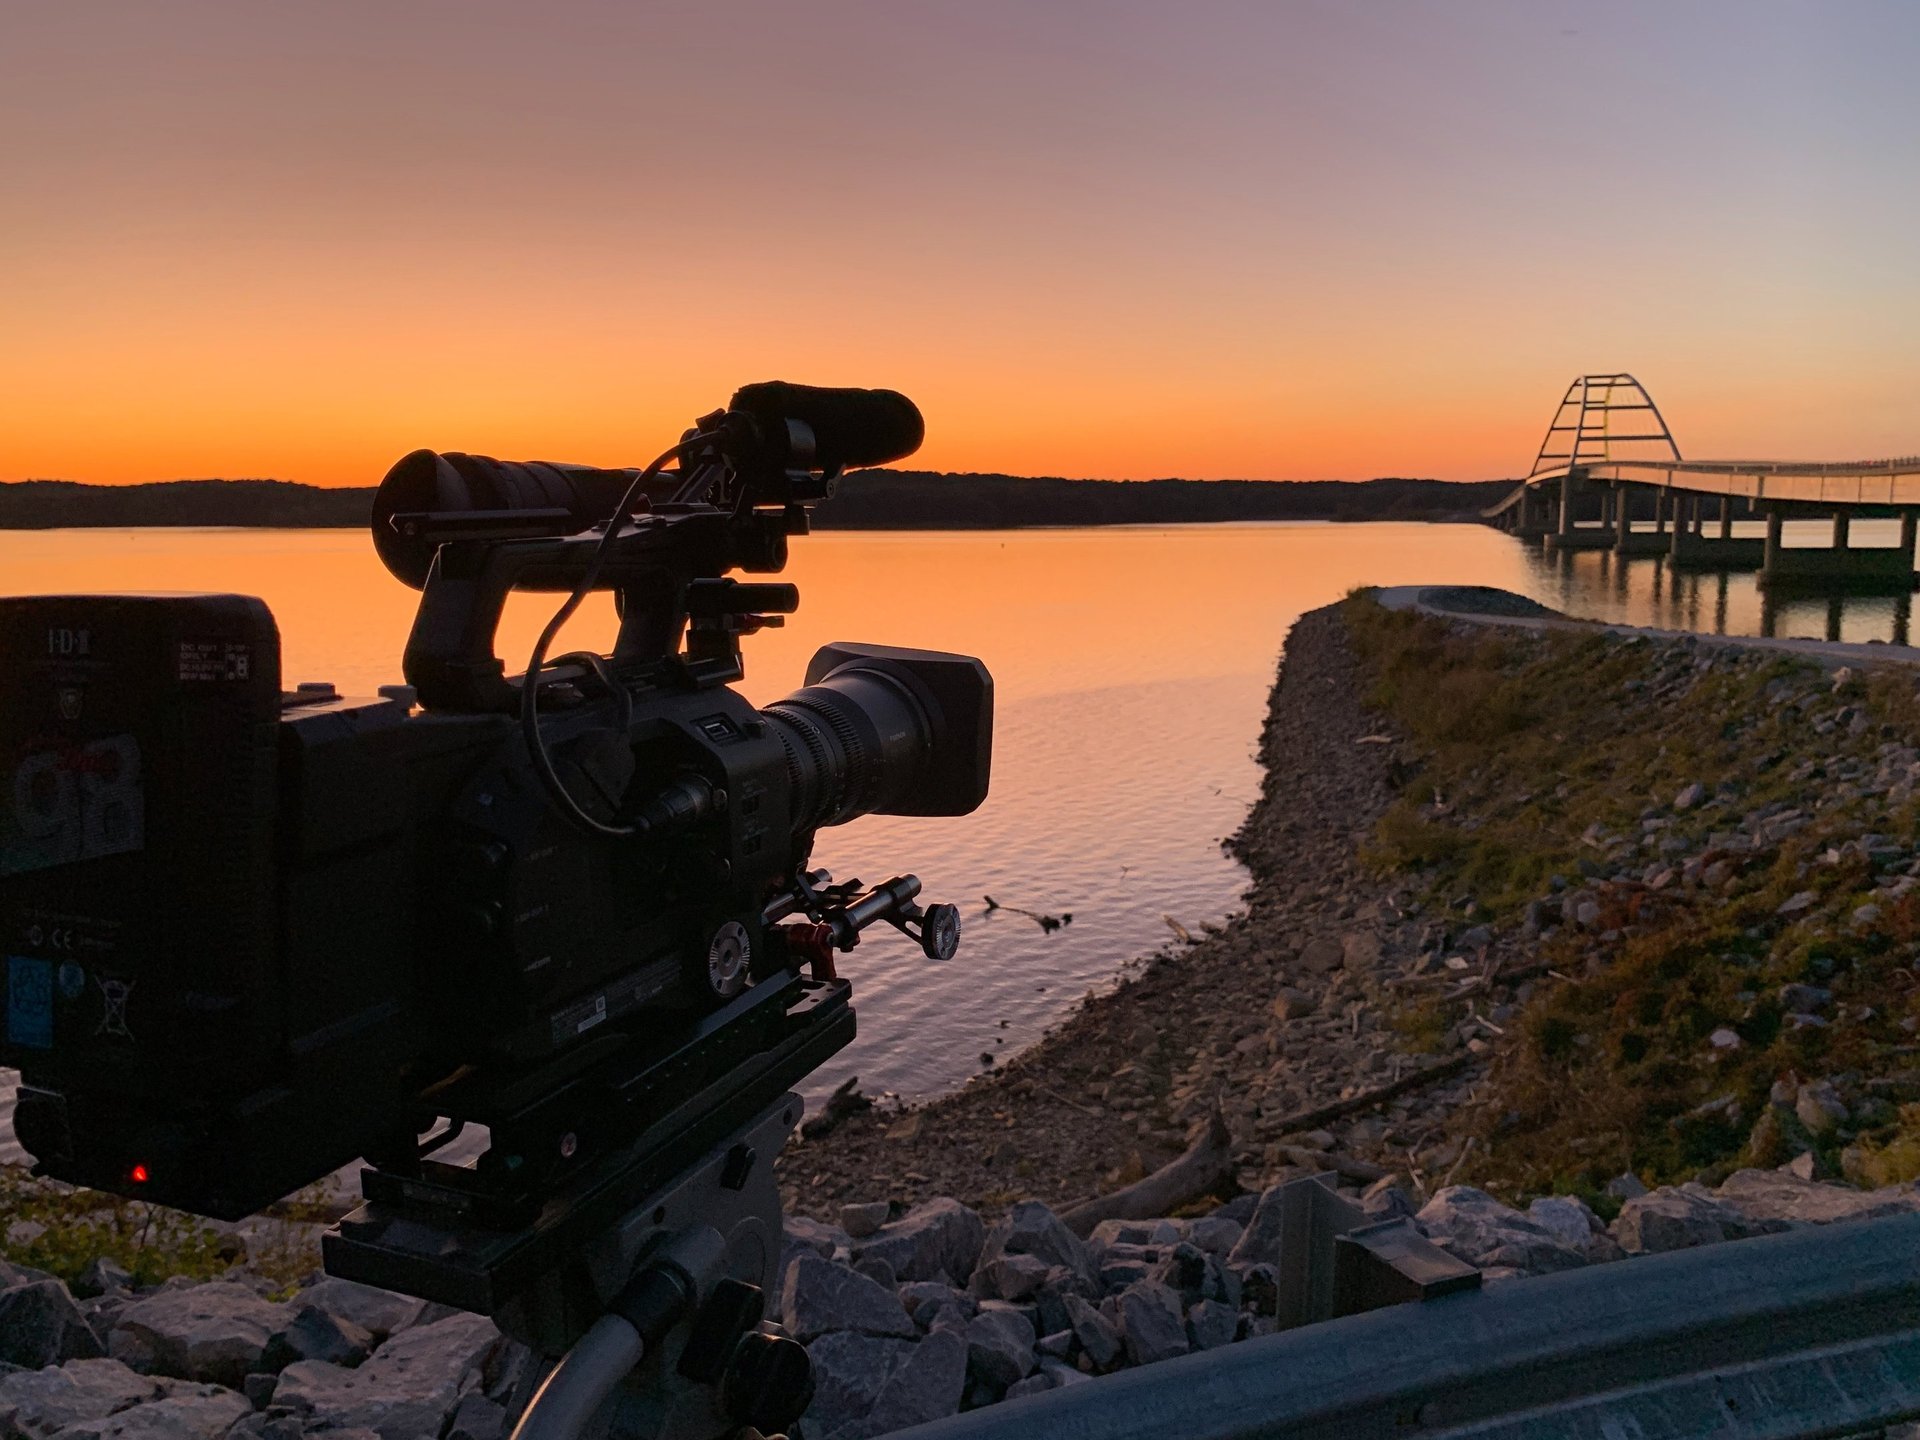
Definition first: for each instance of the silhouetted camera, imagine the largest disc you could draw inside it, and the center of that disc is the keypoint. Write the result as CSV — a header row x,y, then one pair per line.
x,y
251,935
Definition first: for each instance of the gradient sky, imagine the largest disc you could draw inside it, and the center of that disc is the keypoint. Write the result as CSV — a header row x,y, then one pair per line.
x,y
296,238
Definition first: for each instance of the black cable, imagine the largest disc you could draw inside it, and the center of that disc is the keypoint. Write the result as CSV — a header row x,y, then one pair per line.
x,y
530,682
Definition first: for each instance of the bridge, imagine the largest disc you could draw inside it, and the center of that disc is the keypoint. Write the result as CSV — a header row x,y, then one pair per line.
x,y
1609,476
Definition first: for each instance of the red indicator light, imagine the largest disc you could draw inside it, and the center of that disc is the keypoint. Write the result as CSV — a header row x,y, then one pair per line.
x,y
139,1174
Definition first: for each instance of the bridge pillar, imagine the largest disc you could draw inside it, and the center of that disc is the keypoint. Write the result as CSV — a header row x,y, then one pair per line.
x,y
1566,504
1691,548
1841,567
1726,517
1622,516
1660,511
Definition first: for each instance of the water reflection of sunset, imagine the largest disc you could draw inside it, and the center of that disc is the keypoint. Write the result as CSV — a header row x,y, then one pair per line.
x,y
1131,668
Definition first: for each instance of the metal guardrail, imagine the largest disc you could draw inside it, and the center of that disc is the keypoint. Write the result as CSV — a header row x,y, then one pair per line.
x,y
1807,1334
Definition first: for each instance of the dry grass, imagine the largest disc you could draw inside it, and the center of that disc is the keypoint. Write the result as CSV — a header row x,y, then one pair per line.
x,y
1518,747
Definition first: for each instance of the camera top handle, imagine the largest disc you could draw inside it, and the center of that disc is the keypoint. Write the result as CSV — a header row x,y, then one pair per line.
x,y
469,530
657,571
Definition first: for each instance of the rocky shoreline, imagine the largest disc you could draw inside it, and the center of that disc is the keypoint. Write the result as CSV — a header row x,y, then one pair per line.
x,y
895,1335
1264,1014
1624,932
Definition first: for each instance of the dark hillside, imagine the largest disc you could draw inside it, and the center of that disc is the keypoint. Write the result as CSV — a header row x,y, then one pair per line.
x,y
867,500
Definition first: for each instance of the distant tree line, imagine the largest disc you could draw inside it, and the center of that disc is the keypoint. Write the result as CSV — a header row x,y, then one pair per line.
x,y
866,500
918,499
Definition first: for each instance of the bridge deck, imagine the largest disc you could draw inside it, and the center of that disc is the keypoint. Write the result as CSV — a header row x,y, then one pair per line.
x,y
1865,482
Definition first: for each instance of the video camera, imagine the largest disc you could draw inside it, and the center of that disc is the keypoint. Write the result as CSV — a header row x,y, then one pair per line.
x,y
251,935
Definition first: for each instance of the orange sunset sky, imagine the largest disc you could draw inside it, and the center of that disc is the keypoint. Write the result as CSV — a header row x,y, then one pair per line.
x,y
1275,240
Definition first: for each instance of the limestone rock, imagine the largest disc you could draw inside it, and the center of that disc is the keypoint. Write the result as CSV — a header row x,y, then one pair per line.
x,y
1061,1374
999,1348
1804,999
1384,1200
1010,1277
36,1403
1260,1242
1211,1324
1571,1221
1120,1232
924,1299
1030,1228
41,1325
215,1332
1677,1219
860,1221
1626,1186
1771,1198
925,1385
1360,952
1153,1326
1323,954
878,1271
188,1412
1820,1107
820,1296
477,1418
1483,1232
409,1387
1098,1336
103,1277
378,1312
314,1334
940,1238
849,1372
1216,1234
823,1240
1292,1004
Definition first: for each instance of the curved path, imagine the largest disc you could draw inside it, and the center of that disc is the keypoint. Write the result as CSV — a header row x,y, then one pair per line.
x,y
1483,605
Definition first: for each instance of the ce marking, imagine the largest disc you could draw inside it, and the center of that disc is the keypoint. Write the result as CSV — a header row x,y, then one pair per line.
x,y
60,938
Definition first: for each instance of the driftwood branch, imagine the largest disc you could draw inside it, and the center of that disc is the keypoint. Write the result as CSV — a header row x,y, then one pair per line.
x,y
1205,1168
1347,1167
1367,1099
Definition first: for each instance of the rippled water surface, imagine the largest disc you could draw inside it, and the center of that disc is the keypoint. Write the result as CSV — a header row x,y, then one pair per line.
x,y
1132,668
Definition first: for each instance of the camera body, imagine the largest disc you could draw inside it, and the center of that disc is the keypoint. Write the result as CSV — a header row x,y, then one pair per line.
x,y
250,935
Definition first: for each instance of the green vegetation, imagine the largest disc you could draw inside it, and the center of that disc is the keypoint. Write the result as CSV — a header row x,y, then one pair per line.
x,y
62,1230
1654,1038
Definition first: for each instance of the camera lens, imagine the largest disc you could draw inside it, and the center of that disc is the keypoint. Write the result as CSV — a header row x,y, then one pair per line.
x,y
857,743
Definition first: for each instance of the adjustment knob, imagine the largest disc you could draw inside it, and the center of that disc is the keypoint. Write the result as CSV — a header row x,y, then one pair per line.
x,y
940,931
732,1310
769,1383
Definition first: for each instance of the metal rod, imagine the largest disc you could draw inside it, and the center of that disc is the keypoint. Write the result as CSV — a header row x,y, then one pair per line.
x,y
582,1381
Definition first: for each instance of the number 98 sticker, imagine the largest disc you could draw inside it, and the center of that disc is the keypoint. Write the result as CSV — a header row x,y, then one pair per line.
x,y
73,804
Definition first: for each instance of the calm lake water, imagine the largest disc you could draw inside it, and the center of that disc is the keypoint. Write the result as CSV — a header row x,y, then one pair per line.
x,y
1132,667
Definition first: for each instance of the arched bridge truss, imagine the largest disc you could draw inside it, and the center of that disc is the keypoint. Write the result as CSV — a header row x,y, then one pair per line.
x,y
1609,463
